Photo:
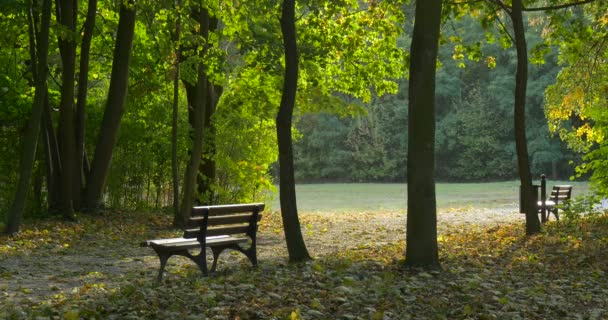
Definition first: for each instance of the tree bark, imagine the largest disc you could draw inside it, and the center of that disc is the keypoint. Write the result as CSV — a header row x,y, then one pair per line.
x,y
67,16
521,145
115,106
197,108
207,168
421,245
53,162
174,162
83,79
32,132
289,210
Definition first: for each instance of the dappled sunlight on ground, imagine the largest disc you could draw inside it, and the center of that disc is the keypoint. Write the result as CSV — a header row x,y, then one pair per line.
x,y
96,268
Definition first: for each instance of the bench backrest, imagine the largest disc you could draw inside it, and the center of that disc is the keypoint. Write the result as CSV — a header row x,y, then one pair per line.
x,y
560,193
208,221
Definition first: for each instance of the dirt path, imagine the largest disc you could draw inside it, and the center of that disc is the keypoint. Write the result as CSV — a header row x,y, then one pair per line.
x,y
45,274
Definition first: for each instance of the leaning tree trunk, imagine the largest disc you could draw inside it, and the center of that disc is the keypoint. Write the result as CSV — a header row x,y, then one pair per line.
x,y
83,79
289,210
521,81
197,101
39,54
67,15
422,250
115,106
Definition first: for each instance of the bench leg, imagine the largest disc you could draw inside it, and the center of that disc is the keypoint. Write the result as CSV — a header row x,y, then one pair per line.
x,y
199,259
163,256
201,262
216,255
250,253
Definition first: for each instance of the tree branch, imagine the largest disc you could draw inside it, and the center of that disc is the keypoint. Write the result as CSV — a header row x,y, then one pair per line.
x,y
561,6
502,5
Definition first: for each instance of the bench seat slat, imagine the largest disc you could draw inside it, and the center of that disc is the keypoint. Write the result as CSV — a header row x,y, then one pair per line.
x,y
226,230
148,243
183,243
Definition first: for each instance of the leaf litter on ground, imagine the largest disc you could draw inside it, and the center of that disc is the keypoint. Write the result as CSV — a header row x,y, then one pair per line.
x,y
95,269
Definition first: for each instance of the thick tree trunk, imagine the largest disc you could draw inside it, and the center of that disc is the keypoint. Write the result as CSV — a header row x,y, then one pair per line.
x,y
28,155
83,79
197,106
521,82
67,15
422,250
115,106
289,210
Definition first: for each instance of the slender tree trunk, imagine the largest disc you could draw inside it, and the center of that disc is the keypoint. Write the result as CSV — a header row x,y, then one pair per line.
x,y
197,108
53,166
174,162
37,188
83,79
115,106
422,250
289,210
521,82
28,155
67,15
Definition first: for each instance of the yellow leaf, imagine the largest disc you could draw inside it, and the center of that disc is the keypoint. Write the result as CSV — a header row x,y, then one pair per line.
x,y
295,315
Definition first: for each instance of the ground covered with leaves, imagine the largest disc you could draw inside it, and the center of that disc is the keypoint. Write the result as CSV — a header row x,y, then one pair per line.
x,y
95,269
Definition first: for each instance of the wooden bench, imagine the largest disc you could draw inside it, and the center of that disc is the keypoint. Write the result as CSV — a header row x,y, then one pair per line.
x,y
559,195
217,227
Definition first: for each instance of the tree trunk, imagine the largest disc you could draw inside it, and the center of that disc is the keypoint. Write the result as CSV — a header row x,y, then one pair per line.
x,y
197,108
422,250
83,79
115,106
289,210
174,162
67,16
207,168
521,82
53,162
28,155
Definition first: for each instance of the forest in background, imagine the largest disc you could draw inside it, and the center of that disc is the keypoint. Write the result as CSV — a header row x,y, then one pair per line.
x,y
475,132
340,137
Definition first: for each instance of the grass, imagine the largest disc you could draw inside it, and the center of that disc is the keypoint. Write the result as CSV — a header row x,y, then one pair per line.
x,y
332,197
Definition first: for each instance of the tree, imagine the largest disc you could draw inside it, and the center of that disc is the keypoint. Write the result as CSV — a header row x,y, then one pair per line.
x,y
528,191
39,43
175,109
115,106
83,86
576,103
67,13
197,106
422,250
289,210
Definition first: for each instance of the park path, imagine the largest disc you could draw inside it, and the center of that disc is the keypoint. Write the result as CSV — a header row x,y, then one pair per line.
x,y
46,275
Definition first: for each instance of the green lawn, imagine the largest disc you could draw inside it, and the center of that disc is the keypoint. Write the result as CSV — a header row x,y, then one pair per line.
x,y
377,196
